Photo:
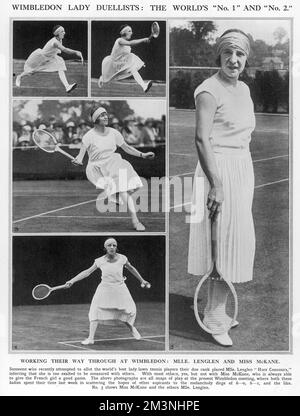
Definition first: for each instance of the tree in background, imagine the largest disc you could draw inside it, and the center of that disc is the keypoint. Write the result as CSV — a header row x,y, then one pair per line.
x,y
192,46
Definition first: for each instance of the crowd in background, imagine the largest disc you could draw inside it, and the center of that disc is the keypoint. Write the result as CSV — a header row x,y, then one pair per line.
x,y
135,130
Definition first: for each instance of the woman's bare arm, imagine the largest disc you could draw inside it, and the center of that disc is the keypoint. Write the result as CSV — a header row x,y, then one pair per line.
x,y
135,273
133,42
67,50
82,275
206,107
79,158
134,152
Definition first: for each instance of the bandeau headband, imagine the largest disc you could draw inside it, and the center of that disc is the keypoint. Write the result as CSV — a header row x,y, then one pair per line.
x,y
97,113
59,29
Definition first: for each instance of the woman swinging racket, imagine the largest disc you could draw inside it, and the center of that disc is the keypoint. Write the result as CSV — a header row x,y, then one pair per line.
x,y
122,63
106,169
47,59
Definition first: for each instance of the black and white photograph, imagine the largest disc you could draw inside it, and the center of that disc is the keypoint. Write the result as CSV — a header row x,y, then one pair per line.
x,y
88,293
88,166
128,59
50,58
229,134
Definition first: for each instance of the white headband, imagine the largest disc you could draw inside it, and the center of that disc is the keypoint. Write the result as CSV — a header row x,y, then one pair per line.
x,y
97,113
235,40
109,240
124,29
59,29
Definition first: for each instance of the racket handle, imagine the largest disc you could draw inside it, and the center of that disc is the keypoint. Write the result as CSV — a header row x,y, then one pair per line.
x,y
213,241
58,287
64,153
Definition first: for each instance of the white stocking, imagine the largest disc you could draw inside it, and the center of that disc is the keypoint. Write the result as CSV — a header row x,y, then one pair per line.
x,y
139,79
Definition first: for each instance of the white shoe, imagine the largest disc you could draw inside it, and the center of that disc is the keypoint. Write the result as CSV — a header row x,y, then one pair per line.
x,y
71,87
87,341
100,82
135,333
223,339
18,81
138,226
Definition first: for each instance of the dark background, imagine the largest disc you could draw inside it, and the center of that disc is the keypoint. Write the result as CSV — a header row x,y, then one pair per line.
x,y
55,259
30,35
104,35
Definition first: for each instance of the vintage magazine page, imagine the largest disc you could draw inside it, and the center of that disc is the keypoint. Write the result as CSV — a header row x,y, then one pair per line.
x,y
149,201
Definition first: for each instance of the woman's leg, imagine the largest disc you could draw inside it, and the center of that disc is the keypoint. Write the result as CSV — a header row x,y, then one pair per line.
x,y
93,328
133,330
127,199
63,78
145,85
20,76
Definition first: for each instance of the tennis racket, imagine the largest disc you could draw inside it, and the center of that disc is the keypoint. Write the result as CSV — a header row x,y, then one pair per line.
x,y
42,291
155,30
47,142
215,299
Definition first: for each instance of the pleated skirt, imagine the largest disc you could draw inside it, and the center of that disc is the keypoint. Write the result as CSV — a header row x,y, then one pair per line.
x,y
114,175
115,69
38,62
111,304
235,229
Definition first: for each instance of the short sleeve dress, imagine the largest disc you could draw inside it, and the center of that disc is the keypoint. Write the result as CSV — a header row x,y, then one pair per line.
x,y
112,301
46,59
120,63
106,169
233,124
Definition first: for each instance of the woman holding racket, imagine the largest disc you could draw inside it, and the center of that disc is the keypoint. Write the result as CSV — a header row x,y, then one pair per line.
x,y
106,169
224,123
112,300
47,59
122,63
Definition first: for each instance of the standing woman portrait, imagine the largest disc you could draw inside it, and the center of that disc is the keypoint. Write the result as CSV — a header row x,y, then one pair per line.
x,y
122,63
224,123
112,300
47,59
106,169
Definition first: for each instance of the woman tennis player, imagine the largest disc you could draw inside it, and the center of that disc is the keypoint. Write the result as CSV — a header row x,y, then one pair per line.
x,y
47,59
122,63
112,300
224,123
106,169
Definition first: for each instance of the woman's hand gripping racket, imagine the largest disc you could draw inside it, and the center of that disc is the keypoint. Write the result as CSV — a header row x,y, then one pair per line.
x,y
42,291
155,30
47,142
215,299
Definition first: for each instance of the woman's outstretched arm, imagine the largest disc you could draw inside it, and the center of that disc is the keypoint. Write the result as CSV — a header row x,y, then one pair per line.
x,y
133,42
134,152
81,275
68,50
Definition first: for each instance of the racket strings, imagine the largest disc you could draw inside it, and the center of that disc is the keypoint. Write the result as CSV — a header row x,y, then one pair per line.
x,y
45,141
155,29
40,292
216,306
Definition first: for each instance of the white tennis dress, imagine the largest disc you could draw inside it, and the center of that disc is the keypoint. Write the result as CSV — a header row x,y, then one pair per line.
x,y
120,63
233,124
46,59
112,301
106,169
